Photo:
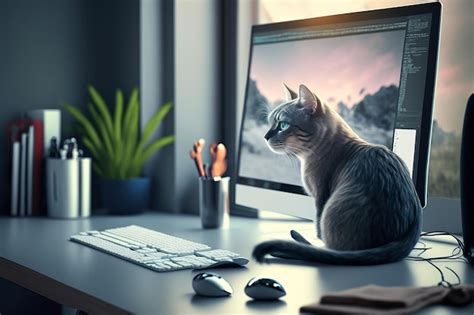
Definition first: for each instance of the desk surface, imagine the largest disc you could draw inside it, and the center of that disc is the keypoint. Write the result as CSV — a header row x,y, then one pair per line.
x,y
35,253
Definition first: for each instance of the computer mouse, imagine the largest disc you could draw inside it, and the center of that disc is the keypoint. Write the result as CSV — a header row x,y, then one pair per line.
x,y
211,284
264,289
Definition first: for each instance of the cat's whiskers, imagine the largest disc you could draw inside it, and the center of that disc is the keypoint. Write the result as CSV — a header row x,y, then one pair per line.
x,y
293,159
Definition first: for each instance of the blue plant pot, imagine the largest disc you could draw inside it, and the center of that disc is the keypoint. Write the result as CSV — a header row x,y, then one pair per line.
x,y
125,196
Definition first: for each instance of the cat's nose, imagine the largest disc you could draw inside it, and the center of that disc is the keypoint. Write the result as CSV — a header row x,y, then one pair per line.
x,y
267,136
270,134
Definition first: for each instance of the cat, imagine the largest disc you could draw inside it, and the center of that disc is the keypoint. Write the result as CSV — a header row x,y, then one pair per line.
x,y
367,208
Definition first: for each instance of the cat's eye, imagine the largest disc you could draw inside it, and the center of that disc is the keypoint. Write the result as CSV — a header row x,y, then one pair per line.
x,y
283,125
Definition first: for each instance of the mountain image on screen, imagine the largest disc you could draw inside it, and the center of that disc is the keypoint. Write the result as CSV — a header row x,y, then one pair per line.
x,y
372,119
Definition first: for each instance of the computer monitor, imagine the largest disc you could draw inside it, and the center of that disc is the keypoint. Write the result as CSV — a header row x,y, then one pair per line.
x,y
376,68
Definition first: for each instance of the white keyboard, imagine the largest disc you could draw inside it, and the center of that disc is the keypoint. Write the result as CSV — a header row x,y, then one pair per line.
x,y
157,251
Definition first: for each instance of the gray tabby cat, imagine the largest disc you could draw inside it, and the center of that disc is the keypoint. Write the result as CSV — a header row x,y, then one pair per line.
x,y
367,209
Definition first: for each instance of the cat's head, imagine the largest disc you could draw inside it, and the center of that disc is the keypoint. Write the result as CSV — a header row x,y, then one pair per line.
x,y
299,124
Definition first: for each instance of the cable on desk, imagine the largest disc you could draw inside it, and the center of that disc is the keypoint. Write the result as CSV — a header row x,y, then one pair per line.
x,y
456,255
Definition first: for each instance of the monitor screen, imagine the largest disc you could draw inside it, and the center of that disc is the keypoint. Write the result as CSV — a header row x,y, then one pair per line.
x,y
373,69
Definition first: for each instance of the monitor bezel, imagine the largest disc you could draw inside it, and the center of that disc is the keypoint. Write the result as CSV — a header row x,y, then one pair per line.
x,y
434,9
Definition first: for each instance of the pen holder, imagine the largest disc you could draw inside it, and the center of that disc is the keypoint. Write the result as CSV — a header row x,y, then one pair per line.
x,y
68,184
214,202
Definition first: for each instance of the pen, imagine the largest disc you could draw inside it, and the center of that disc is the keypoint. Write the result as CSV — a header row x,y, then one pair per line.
x,y
63,154
53,148
74,153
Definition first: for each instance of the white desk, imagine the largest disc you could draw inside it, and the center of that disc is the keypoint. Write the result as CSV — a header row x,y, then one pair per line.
x,y
35,253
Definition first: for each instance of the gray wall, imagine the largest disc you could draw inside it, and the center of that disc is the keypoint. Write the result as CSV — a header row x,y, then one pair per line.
x,y
188,72
197,89
50,51
157,86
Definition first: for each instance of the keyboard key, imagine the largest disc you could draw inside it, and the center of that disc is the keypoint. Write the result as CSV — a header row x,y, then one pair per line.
x,y
163,242
108,247
162,267
184,263
154,250
132,242
146,250
112,240
149,260
171,264
217,253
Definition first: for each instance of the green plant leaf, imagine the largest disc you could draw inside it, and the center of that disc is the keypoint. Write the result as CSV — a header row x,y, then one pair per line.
x,y
118,139
132,136
118,117
86,124
87,142
97,169
110,157
155,146
116,146
130,132
132,102
103,109
153,123
102,166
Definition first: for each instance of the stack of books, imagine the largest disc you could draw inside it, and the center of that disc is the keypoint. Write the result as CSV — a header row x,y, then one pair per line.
x,y
29,140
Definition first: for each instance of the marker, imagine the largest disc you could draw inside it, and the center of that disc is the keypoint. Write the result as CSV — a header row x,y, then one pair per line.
x,y
53,148
74,153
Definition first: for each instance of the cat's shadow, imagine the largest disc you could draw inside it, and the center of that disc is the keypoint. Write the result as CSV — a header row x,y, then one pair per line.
x,y
295,262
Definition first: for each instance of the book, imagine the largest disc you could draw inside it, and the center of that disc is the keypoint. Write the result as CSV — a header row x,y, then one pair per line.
x,y
29,170
34,187
12,133
23,153
37,186
15,177
51,121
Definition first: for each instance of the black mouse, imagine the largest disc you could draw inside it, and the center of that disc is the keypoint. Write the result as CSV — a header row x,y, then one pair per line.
x,y
211,284
264,289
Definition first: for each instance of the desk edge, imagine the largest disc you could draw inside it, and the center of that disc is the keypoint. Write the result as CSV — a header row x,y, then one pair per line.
x,y
55,290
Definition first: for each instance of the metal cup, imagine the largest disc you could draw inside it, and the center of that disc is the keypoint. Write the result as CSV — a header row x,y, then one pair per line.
x,y
68,187
214,202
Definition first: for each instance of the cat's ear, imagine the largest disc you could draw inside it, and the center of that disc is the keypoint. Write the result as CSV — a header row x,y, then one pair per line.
x,y
309,100
290,94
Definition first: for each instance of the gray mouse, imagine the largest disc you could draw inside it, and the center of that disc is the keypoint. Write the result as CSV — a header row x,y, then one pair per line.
x,y
211,284
264,289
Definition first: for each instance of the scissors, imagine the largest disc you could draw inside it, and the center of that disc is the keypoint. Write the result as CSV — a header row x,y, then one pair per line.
x,y
219,163
196,155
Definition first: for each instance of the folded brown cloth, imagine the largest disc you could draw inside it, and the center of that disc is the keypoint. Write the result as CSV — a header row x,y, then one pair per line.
x,y
374,299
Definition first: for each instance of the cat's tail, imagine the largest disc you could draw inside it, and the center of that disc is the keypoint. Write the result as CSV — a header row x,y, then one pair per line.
x,y
390,252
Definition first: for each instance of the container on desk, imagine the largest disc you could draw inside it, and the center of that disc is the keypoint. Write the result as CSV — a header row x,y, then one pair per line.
x,y
214,202
68,187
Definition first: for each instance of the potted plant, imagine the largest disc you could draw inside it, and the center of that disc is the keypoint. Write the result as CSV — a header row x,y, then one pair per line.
x,y
119,150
